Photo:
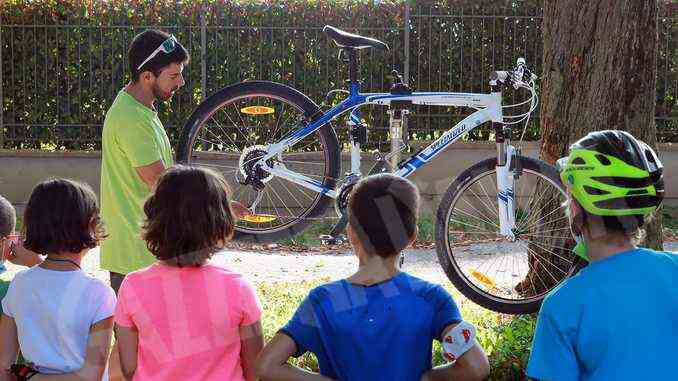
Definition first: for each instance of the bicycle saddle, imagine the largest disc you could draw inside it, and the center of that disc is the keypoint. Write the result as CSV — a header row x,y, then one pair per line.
x,y
349,40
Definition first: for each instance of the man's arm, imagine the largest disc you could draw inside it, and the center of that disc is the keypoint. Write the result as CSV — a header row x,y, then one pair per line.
x,y
471,366
272,362
149,174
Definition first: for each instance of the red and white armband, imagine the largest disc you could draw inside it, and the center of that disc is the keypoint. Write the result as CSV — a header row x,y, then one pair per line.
x,y
458,340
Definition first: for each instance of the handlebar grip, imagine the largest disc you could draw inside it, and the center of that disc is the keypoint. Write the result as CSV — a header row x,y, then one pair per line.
x,y
520,69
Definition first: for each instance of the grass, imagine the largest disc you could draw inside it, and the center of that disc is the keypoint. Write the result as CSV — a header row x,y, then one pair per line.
x,y
506,339
670,218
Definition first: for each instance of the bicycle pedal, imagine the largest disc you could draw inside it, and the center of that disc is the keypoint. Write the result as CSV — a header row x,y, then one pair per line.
x,y
328,240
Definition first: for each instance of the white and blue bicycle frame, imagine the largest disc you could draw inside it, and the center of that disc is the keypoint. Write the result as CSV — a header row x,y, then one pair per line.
x,y
489,109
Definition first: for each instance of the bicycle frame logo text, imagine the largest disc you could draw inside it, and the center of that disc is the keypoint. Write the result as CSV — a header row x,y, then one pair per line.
x,y
447,138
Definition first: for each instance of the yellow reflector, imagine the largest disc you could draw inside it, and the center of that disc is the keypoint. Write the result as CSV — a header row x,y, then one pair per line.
x,y
257,110
484,279
259,218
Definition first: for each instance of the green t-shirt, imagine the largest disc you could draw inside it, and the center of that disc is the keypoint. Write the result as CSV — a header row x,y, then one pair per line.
x,y
133,136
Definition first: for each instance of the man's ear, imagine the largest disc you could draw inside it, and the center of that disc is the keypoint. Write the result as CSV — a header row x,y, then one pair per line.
x,y
146,76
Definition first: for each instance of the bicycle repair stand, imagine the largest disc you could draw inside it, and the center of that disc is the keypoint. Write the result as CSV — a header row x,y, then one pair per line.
x,y
398,111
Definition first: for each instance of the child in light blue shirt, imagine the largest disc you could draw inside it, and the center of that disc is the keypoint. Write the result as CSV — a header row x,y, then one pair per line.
x,y
616,319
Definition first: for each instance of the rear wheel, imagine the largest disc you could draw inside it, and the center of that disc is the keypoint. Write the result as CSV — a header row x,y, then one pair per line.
x,y
231,130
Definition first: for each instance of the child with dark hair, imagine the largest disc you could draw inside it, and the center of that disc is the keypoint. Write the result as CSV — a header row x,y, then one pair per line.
x,y
183,318
60,318
11,248
379,323
615,319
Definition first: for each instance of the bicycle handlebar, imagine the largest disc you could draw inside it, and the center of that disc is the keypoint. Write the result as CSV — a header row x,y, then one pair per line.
x,y
513,77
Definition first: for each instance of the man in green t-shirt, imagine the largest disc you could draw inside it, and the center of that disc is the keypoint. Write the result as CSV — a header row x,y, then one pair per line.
x,y
136,149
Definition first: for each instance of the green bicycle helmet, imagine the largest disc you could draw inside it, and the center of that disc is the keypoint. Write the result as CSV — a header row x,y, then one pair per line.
x,y
611,173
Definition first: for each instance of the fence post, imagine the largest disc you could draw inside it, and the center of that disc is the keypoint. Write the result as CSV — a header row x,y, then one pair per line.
x,y
2,102
203,55
406,72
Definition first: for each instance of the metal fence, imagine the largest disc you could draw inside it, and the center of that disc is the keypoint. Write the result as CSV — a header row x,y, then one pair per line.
x,y
56,95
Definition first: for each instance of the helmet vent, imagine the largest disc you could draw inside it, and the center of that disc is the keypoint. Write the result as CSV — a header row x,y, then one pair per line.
x,y
603,160
626,182
636,192
644,201
595,191
578,161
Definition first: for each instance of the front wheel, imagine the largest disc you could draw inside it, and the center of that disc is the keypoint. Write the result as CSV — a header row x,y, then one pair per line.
x,y
233,129
505,275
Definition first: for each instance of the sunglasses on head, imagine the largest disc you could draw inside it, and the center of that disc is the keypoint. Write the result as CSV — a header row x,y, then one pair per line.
x,y
166,47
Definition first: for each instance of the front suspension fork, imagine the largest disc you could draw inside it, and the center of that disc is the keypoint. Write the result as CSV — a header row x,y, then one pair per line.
x,y
506,154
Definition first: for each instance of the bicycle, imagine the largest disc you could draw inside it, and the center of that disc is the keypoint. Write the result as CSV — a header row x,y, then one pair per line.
x,y
280,152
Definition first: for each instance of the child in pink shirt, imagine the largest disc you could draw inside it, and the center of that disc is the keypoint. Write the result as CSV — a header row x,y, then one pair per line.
x,y
183,318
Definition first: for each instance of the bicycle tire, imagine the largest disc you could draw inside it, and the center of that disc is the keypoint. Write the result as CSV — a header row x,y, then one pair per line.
x,y
451,264
325,135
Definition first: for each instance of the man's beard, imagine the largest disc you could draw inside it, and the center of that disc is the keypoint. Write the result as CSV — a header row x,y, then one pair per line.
x,y
161,95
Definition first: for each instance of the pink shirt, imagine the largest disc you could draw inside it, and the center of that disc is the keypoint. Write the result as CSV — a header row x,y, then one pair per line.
x,y
188,321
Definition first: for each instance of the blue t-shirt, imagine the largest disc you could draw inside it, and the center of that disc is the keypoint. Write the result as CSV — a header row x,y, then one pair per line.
x,y
379,332
615,320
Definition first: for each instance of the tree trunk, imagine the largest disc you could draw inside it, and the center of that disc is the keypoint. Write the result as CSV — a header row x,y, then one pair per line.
x,y
599,73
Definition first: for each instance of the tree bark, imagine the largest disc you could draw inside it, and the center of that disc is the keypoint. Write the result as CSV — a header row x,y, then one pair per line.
x,y
599,72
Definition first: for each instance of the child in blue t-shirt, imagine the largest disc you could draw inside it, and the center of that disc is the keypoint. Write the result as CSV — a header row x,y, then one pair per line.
x,y
616,319
379,323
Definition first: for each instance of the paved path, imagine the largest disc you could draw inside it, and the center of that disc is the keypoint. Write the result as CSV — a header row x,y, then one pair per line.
x,y
276,266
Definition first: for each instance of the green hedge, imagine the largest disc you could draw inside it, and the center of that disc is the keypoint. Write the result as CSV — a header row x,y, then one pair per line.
x,y
64,61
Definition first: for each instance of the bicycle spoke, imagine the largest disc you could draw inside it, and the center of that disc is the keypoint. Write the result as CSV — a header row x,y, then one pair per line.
x,y
538,275
476,217
531,221
215,165
284,204
528,228
277,123
545,268
216,121
532,211
483,203
552,253
291,194
464,223
208,141
495,210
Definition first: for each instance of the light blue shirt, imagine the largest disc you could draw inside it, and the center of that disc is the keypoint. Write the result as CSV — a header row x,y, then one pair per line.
x,y
615,320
